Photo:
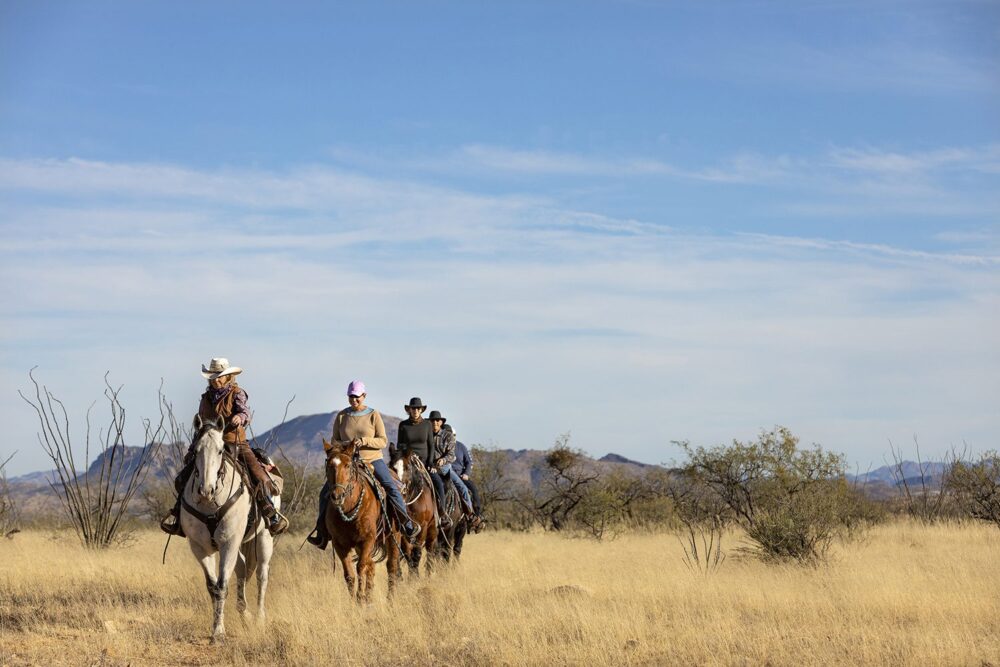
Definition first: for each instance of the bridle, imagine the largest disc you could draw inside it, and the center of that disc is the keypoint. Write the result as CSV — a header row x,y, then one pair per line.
x,y
340,493
213,520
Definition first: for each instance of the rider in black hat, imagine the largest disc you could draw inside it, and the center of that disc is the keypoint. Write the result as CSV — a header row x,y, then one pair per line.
x,y
417,437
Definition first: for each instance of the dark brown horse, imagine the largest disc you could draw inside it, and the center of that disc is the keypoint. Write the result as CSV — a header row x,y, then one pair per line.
x,y
450,540
356,523
418,492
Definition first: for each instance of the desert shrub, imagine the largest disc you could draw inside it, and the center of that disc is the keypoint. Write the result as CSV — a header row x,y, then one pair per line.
x,y
976,486
702,516
96,501
921,496
566,480
618,501
790,502
10,520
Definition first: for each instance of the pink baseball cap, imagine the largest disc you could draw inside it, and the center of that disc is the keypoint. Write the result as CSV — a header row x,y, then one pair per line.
x,y
356,388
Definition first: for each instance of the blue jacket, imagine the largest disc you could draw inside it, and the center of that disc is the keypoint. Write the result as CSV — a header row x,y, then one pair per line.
x,y
463,460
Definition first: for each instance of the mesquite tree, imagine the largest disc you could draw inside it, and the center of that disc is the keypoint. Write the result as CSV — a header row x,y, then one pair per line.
x,y
791,502
566,481
976,486
95,500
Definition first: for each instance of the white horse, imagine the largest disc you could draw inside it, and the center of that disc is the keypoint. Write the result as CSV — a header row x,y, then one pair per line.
x,y
215,507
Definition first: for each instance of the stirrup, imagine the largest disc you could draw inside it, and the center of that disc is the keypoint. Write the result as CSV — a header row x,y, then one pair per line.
x,y
277,523
412,534
171,525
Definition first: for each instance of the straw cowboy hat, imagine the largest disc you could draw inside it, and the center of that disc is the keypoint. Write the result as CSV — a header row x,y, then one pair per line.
x,y
219,367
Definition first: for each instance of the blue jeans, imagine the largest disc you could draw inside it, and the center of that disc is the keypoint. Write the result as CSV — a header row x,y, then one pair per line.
x,y
384,477
463,490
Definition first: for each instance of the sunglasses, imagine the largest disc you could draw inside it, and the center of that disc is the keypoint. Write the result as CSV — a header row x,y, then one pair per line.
x,y
355,397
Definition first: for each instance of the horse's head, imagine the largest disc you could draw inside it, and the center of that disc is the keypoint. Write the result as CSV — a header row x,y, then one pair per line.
x,y
341,466
208,449
402,463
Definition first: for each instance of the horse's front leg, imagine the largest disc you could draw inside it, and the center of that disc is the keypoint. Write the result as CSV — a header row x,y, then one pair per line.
x,y
366,571
392,561
228,553
241,585
413,559
344,554
266,548
206,558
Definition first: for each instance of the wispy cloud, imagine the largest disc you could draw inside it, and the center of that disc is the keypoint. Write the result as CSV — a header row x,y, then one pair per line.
x,y
482,300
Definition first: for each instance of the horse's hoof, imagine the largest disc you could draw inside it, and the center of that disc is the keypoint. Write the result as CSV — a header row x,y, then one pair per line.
x,y
219,638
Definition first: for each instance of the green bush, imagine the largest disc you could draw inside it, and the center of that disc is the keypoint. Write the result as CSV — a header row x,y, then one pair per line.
x,y
791,502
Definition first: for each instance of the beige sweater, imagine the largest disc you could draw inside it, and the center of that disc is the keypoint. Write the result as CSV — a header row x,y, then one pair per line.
x,y
367,425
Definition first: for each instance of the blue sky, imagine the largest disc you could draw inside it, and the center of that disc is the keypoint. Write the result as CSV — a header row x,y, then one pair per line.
x,y
635,221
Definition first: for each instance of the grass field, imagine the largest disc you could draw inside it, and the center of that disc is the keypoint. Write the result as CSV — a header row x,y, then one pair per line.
x,y
905,595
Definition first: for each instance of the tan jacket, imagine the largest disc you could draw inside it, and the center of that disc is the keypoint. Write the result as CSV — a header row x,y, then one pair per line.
x,y
367,425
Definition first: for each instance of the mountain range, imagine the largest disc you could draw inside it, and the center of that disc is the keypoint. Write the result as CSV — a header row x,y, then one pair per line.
x,y
300,441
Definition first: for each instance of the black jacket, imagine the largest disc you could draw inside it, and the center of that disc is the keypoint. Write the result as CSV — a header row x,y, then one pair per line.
x,y
417,439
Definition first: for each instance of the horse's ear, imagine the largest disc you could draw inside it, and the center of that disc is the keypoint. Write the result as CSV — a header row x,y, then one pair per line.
x,y
220,423
327,445
197,422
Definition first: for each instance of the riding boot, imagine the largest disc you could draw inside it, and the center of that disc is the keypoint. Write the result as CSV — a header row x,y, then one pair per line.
x,y
319,537
171,523
276,522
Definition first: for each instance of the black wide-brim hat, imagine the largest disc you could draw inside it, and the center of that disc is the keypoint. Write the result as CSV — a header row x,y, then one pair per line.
x,y
435,415
415,402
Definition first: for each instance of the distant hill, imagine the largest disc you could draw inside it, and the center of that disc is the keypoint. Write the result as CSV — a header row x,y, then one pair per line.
x,y
933,472
301,440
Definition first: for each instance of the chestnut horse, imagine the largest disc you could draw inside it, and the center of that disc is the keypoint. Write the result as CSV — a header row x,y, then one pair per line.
x,y
355,521
418,492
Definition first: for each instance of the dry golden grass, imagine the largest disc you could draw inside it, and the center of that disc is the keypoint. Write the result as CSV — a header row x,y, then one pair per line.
x,y
907,595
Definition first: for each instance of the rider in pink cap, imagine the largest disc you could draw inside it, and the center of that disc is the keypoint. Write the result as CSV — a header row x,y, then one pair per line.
x,y
362,427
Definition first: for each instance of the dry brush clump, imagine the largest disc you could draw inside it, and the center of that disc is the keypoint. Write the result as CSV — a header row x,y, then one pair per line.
x,y
791,503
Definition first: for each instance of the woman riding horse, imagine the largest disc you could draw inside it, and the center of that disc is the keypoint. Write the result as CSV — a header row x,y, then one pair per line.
x,y
226,400
362,427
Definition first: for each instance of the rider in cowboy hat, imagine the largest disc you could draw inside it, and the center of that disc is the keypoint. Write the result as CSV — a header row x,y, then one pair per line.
x,y
463,468
417,437
444,456
224,398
